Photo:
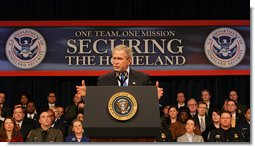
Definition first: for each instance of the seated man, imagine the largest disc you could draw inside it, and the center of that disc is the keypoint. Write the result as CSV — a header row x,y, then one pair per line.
x,y
45,133
225,133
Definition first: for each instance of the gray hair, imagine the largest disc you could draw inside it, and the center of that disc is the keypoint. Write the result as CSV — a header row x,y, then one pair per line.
x,y
125,48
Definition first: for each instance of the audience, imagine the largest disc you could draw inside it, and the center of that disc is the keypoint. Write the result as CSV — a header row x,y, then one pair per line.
x,y
180,122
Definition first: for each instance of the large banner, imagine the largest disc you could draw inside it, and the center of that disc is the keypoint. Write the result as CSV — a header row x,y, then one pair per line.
x,y
161,48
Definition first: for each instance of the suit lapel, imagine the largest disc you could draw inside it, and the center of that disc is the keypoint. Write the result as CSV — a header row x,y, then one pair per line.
x,y
114,79
132,78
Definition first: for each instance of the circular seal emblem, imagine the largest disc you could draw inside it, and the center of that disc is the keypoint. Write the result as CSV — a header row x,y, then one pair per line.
x,y
122,106
25,48
225,47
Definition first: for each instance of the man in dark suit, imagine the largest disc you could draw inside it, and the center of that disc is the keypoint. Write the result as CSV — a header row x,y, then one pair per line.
x,y
202,119
234,96
206,97
51,101
236,116
24,124
4,109
122,75
31,113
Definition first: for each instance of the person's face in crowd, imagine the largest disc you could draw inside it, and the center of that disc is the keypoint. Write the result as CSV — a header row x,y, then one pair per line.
x,y
190,126
206,96
180,98
201,109
225,120
30,107
24,99
18,114
77,127
231,106
52,98
80,117
2,98
76,99
51,115
120,61
165,110
173,112
192,104
225,106
45,119
248,115
56,113
183,116
233,96
215,117
8,125
60,111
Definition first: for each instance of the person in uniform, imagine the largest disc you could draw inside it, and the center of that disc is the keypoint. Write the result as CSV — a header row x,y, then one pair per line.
x,y
244,126
45,133
225,133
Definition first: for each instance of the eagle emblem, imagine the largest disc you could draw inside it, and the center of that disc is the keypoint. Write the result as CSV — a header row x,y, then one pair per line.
x,y
25,47
224,47
123,106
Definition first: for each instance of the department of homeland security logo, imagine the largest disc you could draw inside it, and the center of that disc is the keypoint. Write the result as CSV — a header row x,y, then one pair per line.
x,y
122,106
25,48
225,47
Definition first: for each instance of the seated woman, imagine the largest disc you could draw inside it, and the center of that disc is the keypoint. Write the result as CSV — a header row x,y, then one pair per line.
x,y
9,131
190,136
78,133
182,117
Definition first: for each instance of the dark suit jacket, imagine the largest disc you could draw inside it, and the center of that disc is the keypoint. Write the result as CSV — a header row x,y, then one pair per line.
x,y
208,122
6,111
45,107
62,125
26,127
35,119
136,78
212,107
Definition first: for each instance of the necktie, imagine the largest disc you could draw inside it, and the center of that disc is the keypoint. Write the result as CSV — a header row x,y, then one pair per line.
x,y
202,124
18,126
233,122
44,135
207,110
123,80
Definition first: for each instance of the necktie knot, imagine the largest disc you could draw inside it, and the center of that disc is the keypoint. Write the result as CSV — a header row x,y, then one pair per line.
x,y
123,78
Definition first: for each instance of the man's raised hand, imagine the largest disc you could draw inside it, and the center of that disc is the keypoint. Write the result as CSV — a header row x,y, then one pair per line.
x,y
160,90
81,90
